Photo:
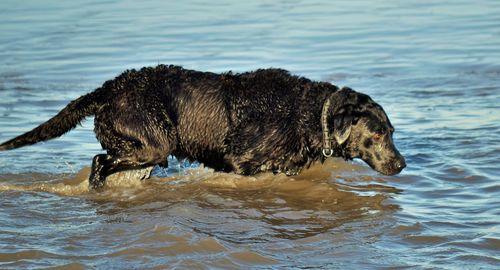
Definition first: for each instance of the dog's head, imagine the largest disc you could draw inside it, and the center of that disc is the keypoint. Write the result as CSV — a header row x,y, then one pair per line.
x,y
361,129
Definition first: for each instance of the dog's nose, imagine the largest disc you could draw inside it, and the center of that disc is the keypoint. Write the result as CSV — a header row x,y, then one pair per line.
x,y
400,164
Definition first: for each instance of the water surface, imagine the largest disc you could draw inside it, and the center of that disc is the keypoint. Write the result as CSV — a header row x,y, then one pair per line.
x,y
433,66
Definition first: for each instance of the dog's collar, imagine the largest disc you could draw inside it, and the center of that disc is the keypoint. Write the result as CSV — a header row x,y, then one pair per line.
x,y
327,140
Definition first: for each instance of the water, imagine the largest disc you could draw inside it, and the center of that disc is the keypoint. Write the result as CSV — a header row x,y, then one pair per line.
x,y
433,65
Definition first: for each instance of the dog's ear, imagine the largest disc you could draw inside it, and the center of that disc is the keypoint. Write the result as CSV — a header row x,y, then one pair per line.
x,y
342,127
345,97
343,102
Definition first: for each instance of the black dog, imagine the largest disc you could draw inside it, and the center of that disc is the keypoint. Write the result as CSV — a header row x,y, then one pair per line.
x,y
266,120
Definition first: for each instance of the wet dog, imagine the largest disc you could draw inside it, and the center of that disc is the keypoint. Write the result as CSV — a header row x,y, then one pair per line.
x,y
265,120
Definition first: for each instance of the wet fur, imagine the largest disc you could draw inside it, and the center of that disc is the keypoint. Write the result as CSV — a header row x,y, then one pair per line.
x,y
266,120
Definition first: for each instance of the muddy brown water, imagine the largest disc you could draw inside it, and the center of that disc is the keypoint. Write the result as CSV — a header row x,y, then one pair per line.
x,y
433,66
198,214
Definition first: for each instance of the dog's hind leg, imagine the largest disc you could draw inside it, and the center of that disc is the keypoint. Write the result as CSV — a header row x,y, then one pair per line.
x,y
129,153
98,171
132,140
104,165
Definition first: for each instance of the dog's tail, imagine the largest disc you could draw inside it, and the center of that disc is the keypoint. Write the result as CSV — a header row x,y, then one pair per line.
x,y
63,122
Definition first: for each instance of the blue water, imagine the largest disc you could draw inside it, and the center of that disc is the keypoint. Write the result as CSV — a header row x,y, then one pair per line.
x,y
433,65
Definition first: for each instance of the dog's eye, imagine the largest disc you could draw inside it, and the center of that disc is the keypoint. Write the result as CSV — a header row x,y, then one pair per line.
x,y
377,137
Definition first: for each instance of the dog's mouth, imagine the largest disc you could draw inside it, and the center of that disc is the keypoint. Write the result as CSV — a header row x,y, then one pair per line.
x,y
390,172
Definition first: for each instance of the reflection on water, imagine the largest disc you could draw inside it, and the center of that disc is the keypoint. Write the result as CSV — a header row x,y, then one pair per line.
x,y
433,66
